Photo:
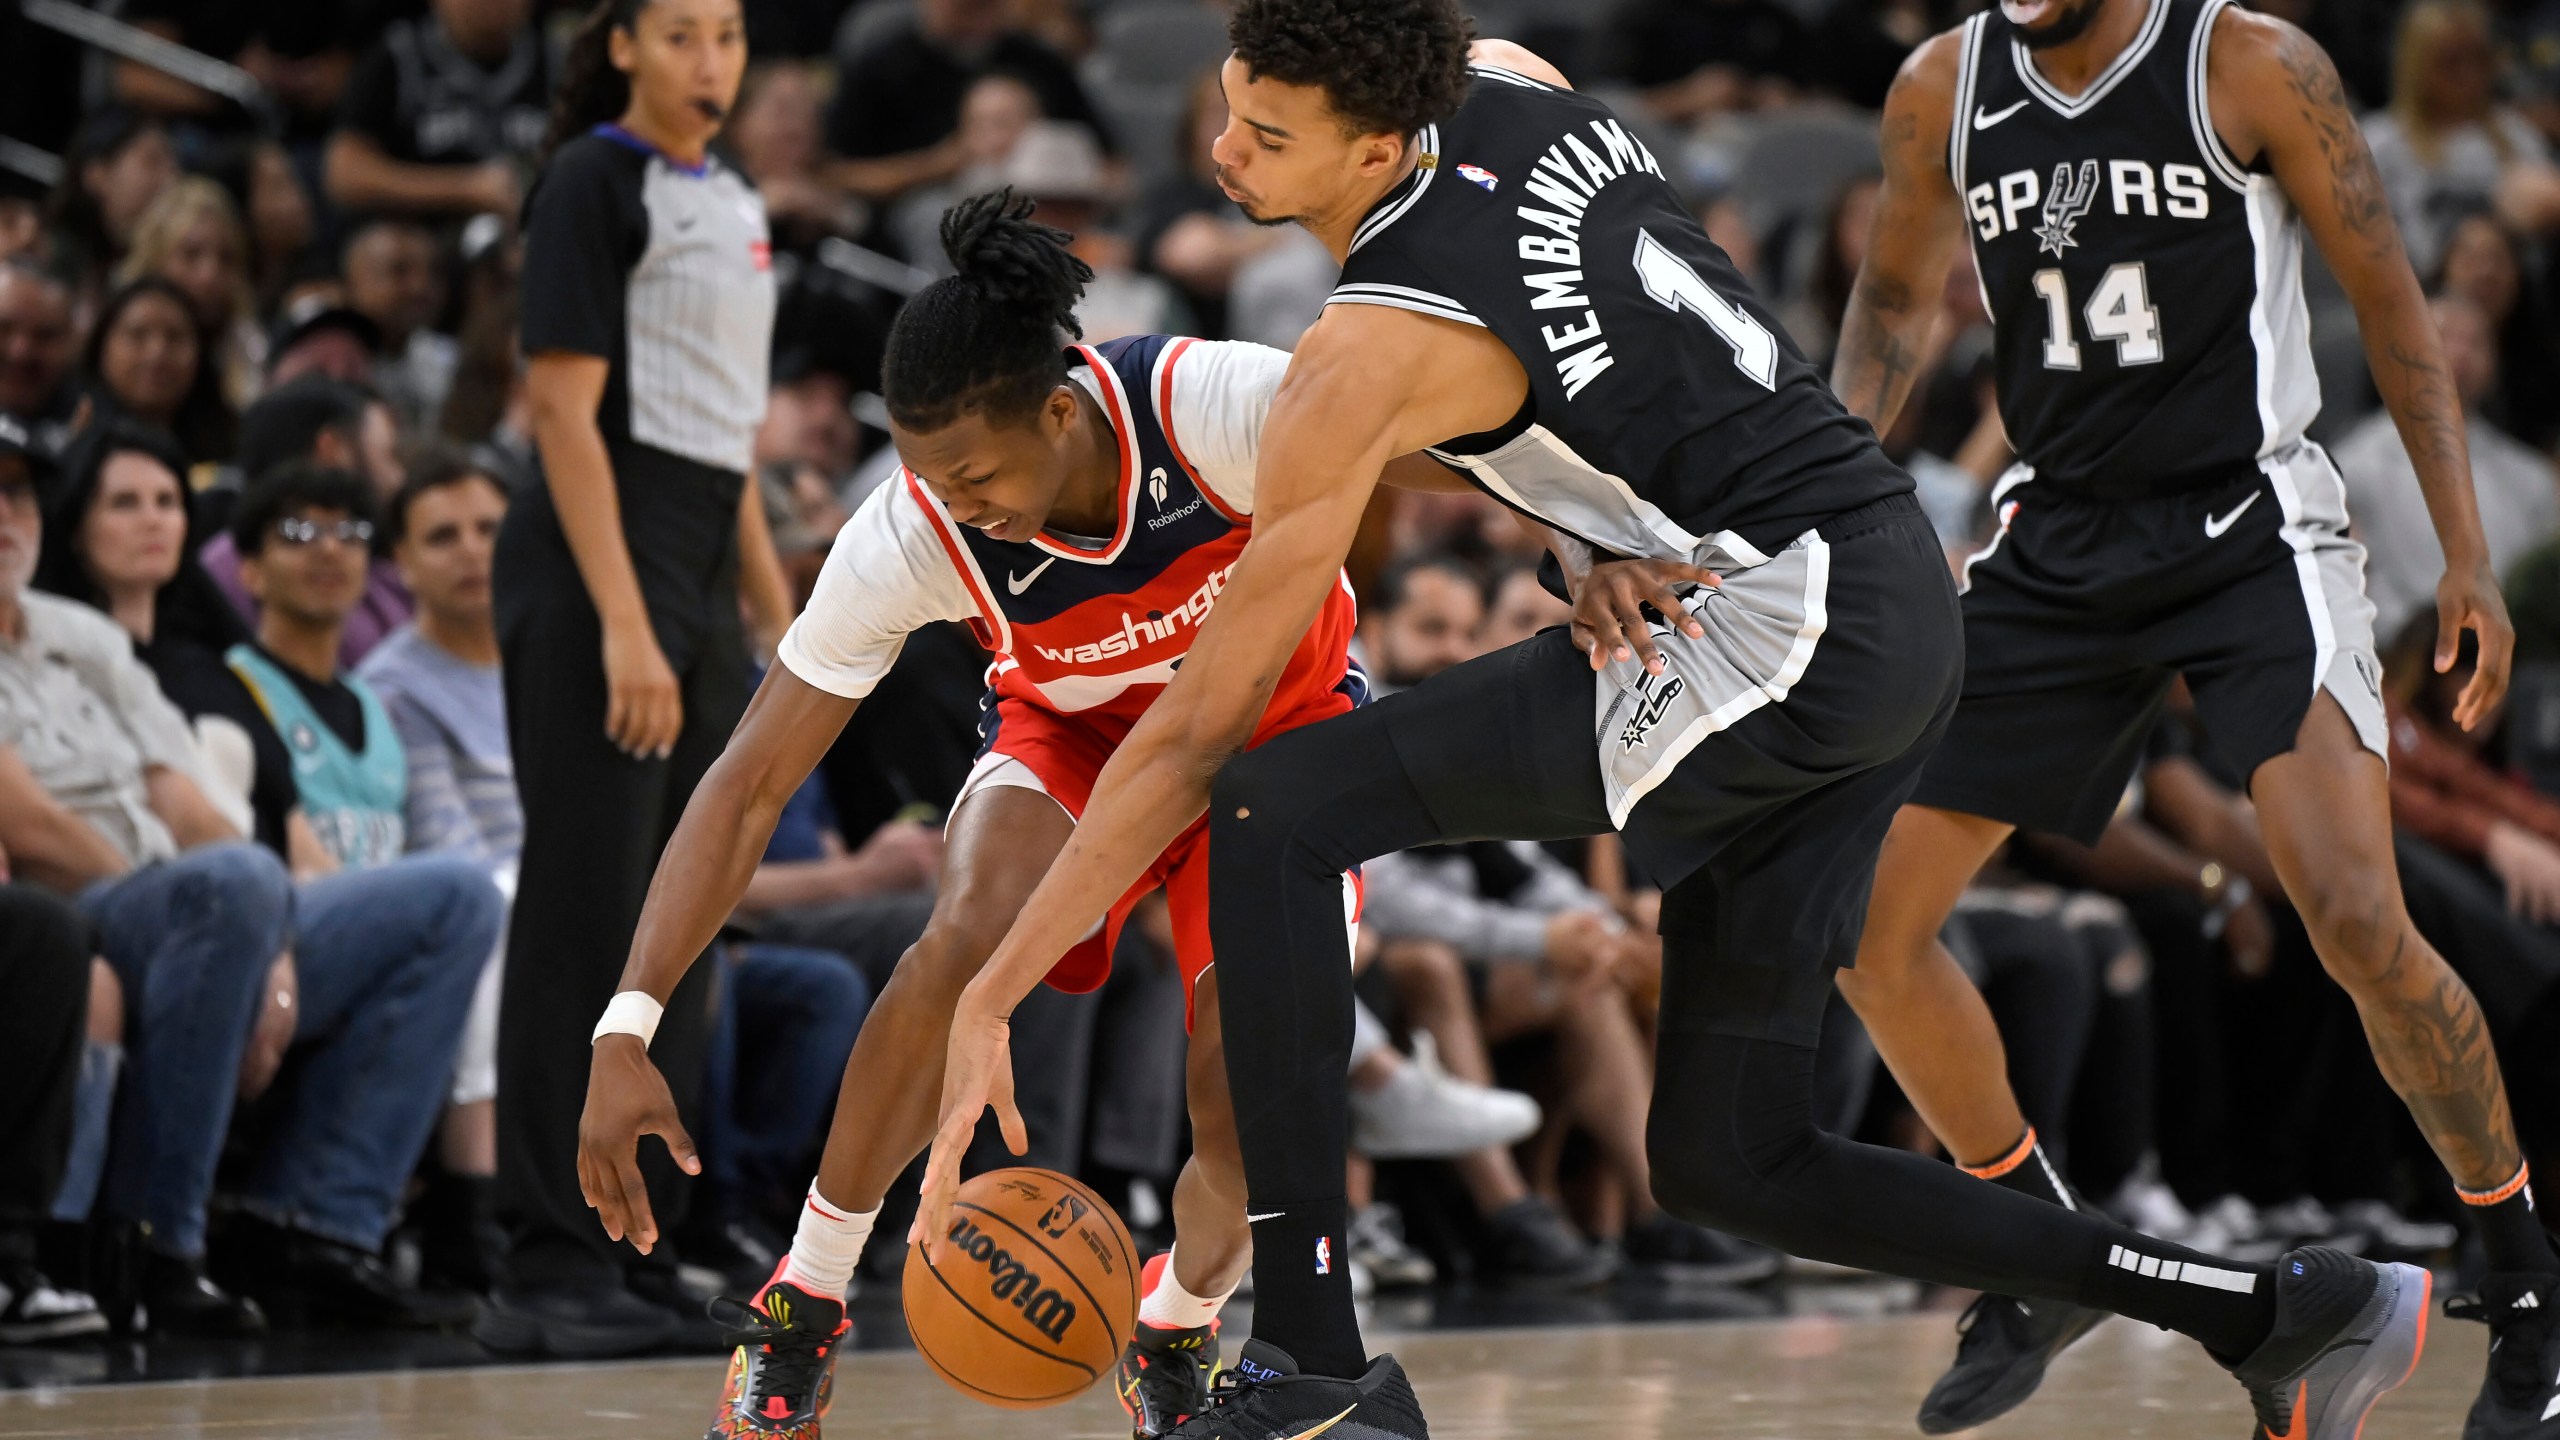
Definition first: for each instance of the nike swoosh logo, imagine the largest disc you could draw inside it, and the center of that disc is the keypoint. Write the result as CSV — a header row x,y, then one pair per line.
x,y
2214,525
1313,1431
1258,1219
1019,583
1985,119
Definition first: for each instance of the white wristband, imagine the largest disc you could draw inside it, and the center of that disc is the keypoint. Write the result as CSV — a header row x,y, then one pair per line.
x,y
631,1012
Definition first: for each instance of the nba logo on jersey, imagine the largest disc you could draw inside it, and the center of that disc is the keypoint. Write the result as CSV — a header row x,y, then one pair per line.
x,y
1480,175
1324,1255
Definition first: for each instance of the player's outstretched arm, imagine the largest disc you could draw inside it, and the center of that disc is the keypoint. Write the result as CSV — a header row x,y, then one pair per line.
x,y
1885,331
707,864
2275,94
1343,411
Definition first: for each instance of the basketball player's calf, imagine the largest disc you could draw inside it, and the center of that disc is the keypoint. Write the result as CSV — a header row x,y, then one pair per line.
x,y
1165,1372
2325,809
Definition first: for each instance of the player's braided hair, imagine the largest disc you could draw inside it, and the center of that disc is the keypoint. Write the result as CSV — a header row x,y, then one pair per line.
x,y
988,337
1391,65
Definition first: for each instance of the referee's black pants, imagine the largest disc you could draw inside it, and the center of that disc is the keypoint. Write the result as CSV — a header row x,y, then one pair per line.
x,y
595,821
1788,807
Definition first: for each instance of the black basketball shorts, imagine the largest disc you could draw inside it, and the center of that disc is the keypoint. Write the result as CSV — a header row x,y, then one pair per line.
x,y
2081,613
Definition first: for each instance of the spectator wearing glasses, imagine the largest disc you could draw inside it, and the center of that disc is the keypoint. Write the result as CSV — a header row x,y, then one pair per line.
x,y
334,425
305,535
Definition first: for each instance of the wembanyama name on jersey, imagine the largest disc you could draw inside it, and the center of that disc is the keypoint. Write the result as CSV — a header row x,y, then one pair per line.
x,y
1565,180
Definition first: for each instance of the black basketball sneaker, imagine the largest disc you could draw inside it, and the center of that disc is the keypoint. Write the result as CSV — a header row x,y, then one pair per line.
x,y
2521,1398
1263,1397
782,1364
2004,1346
2347,1333
1164,1377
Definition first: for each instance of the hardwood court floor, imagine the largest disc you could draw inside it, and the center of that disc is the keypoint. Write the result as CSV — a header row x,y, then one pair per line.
x,y
1809,1378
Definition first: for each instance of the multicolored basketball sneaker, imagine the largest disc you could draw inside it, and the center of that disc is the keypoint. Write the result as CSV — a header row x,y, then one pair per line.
x,y
1164,1374
782,1369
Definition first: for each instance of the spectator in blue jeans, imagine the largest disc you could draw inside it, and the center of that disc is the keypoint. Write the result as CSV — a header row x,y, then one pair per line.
x,y
765,1107
226,965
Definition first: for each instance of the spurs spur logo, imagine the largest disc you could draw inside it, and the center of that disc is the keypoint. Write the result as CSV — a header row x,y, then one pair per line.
x,y
1657,694
2064,204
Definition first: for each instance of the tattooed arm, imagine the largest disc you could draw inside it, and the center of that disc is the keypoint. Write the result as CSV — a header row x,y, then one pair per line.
x,y
1895,301
2275,96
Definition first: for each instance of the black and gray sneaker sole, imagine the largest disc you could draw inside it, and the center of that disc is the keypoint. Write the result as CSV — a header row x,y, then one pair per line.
x,y
2370,1358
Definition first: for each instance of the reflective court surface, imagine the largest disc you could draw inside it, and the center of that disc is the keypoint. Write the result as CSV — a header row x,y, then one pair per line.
x,y
1811,1377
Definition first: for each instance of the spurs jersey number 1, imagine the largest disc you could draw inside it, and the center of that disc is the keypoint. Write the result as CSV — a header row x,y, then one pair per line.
x,y
2145,287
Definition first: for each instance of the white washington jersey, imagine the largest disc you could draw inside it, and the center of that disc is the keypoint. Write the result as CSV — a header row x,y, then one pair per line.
x,y
1667,414
2146,287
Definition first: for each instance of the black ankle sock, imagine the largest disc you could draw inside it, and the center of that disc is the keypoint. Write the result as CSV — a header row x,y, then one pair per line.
x,y
2186,1291
2025,1169
1302,1288
2509,1229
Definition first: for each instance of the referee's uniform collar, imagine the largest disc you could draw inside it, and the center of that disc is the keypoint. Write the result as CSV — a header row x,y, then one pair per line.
x,y
620,136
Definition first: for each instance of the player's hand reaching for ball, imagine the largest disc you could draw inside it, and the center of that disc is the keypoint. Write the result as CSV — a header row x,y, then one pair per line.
x,y
626,1099
2468,599
977,1073
1608,609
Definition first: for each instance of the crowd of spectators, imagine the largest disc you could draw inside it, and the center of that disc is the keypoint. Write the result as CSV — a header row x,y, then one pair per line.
x,y
262,414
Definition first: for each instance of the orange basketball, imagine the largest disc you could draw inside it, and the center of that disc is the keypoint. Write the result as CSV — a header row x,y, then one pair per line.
x,y
1035,1292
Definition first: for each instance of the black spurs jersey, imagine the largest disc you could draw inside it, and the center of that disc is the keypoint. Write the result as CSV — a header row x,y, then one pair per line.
x,y
1665,406
2145,286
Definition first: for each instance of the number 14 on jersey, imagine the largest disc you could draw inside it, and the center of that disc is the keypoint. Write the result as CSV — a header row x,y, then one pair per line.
x,y
2120,309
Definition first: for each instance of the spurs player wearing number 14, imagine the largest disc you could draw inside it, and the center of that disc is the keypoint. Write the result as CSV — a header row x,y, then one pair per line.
x,y
2134,177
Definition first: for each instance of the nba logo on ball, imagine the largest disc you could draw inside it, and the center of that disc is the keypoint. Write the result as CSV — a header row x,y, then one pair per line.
x,y
1324,1255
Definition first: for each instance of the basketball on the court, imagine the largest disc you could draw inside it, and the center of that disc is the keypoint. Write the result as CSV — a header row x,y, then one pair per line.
x,y
1033,1292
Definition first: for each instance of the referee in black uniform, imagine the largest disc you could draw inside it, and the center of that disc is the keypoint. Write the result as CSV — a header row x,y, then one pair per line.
x,y
648,314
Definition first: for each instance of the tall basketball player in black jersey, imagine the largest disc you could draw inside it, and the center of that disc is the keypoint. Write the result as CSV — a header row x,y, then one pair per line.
x,y
1524,297
2134,177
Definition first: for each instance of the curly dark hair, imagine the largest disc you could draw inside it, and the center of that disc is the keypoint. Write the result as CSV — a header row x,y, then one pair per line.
x,y
989,338
1391,65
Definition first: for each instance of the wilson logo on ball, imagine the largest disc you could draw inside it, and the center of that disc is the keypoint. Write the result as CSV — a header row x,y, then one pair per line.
x,y
1013,1282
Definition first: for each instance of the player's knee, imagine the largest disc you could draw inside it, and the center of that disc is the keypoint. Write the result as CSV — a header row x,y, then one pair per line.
x,y
943,960
1702,1183
2356,922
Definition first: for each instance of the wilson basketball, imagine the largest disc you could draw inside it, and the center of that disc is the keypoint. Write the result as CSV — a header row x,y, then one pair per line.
x,y
1032,1295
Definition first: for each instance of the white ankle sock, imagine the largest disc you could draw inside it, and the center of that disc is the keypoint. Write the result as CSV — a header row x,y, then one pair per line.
x,y
827,1246
1170,1307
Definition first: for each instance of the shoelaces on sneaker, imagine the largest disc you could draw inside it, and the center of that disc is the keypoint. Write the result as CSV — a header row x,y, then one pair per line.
x,y
793,1354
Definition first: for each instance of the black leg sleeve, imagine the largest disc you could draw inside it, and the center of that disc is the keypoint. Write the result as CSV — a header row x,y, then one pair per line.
x,y
1455,758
